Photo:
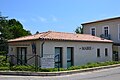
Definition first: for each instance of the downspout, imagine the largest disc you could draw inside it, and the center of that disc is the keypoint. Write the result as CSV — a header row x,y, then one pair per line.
x,y
41,51
42,48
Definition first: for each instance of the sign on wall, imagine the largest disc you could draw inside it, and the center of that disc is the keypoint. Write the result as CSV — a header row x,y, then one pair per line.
x,y
47,61
86,48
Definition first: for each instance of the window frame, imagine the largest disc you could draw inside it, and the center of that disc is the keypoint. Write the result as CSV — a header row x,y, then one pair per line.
x,y
105,52
59,62
103,30
98,53
91,30
20,59
72,56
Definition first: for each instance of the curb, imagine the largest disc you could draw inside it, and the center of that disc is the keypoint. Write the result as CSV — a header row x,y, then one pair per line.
x,y
27,73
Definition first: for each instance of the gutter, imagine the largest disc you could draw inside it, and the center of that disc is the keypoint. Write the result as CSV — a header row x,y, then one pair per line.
x,y
42,48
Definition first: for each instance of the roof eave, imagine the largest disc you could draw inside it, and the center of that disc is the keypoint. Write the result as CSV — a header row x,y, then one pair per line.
x,y
100,20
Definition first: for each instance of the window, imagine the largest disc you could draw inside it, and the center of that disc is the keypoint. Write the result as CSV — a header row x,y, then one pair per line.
x,y
69,56
106,31
58,57
22,55
93,31
106,51
98,52
118,31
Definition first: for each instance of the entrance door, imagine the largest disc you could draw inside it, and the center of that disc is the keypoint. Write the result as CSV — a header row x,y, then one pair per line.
x,y
58,57
69,56
115,56
21,55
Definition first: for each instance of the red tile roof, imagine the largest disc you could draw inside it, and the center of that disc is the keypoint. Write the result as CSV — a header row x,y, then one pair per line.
x,y
51,35
101,20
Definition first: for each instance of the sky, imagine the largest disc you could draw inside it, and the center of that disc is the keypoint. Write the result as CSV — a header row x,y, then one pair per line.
x,y
58,15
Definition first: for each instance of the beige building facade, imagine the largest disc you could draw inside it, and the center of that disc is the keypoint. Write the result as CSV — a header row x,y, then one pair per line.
x,y
108,29
60,49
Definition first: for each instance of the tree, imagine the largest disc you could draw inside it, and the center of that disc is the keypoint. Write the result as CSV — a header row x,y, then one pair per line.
x,y
16,28
4,35
79,30
37,32
10,29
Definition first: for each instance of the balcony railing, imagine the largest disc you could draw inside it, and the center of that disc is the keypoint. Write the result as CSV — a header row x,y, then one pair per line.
x,y
106,36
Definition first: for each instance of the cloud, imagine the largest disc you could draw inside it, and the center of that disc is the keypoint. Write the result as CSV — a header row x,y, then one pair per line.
x,y
42,19
54,19
39,19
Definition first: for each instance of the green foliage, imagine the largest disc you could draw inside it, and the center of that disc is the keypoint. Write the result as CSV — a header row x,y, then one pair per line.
x,y
51,69
3,62
91,65
32,68
16,28
3,52
74,67
79,30
22,68
10,29
5,66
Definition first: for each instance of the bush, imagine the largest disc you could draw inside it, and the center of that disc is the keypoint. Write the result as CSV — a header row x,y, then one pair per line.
x,y
4,68
3,52
3,61
22,68
51,69
91,65
74,67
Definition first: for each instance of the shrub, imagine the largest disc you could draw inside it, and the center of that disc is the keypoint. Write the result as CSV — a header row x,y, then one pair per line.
x,y
23,68
3,61
91,65
51,69
74,67
3,52
4,68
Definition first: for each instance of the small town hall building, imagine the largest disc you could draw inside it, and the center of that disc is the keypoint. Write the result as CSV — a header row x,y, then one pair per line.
x,y
60,49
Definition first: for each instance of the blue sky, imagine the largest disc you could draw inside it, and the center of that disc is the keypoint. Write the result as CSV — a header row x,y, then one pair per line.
x,y
58,15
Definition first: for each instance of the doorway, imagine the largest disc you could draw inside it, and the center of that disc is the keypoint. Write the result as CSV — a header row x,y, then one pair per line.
x,y
58,57
115,56
70,51
21,55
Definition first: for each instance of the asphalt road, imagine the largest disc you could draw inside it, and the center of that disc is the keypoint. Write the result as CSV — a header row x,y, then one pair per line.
x,y
106,74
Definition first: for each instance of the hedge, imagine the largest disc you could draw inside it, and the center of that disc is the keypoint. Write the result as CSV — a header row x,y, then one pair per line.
x,y
91,65
5,66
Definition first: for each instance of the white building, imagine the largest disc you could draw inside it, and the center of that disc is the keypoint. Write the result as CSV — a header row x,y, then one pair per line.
x,y
73,49
108,29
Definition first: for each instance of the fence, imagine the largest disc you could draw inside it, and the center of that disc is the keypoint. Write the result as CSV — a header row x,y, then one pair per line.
x,y
31,60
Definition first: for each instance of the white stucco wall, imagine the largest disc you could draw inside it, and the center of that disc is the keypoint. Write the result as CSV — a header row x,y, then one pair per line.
x,y
113,28
80,56
28,45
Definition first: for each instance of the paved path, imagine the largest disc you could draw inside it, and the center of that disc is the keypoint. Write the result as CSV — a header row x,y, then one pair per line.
x,y
107,74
